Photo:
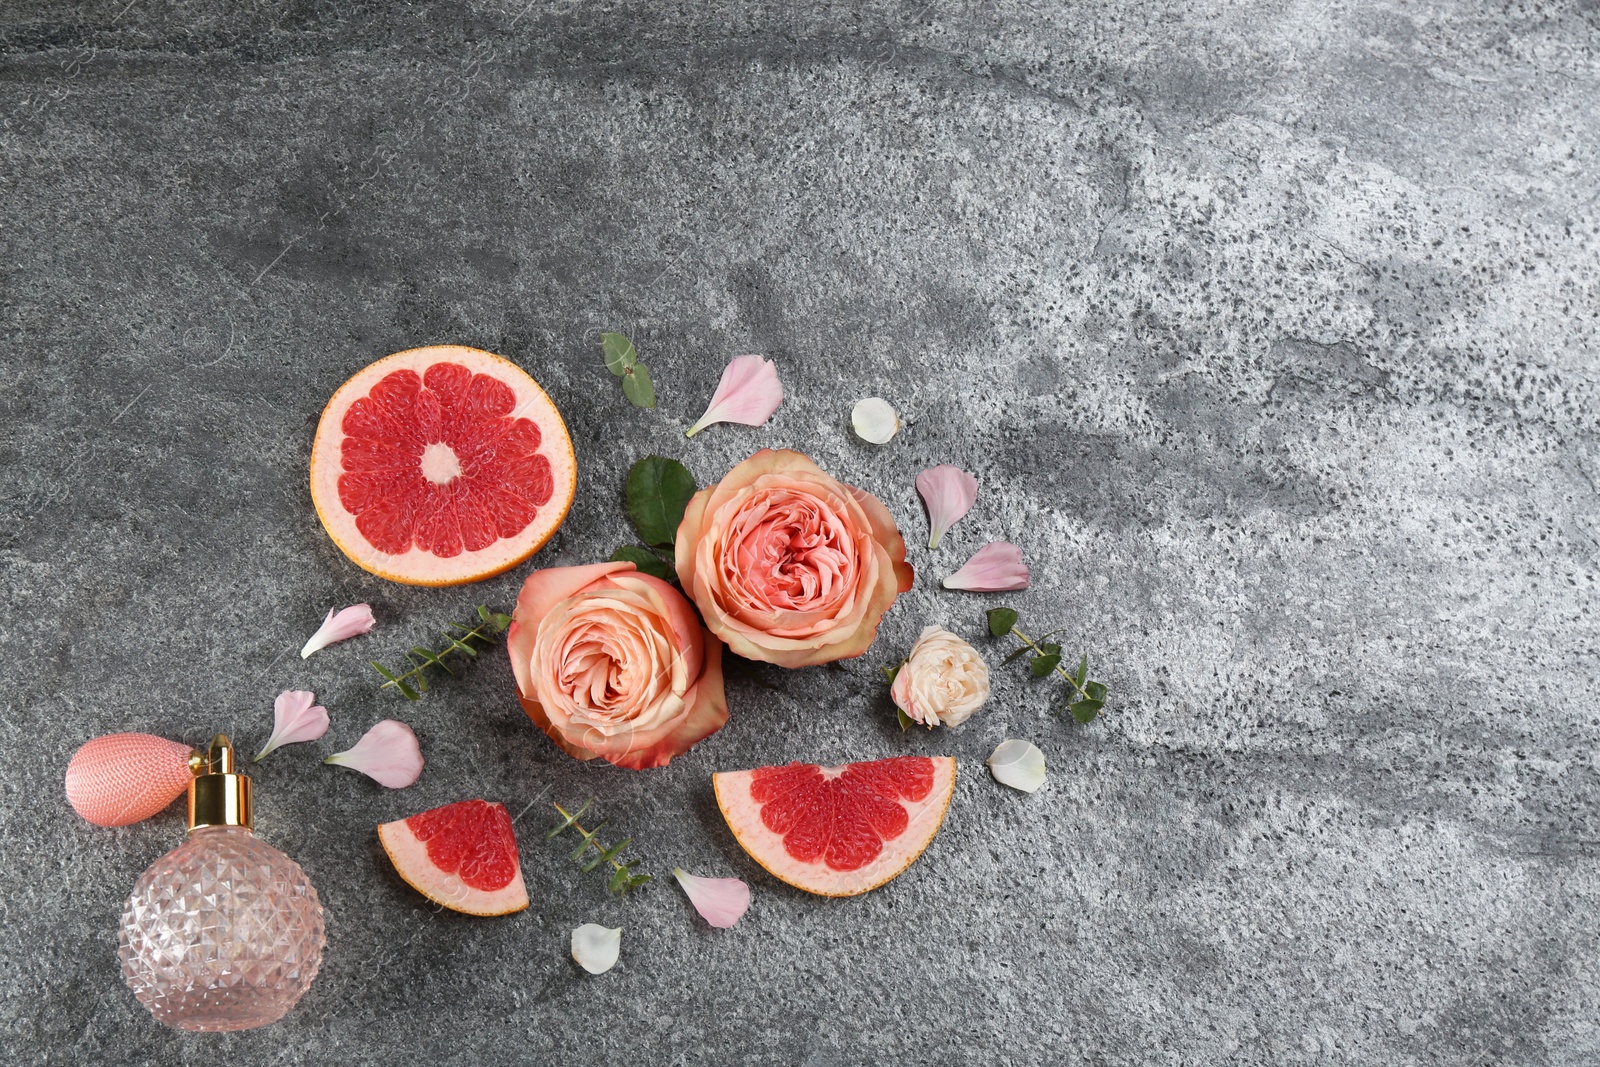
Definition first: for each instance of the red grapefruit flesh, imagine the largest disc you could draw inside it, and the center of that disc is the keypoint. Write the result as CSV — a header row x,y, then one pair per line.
x,y
463,856
838,831
443,465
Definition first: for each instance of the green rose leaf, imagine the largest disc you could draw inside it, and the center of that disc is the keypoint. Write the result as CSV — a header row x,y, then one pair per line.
x,y
1015,654
658,490
1096,691
1043,665
906,721
1050,649
1082,672
637,388
645,561
619,352
1001,620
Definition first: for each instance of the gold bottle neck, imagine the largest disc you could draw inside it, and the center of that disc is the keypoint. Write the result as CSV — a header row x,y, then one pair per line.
x,y
219,795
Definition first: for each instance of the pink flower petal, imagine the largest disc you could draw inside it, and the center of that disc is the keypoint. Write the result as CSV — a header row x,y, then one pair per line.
x,y
296,717
949,492
995,567
341,626
720,901
748,394
388,754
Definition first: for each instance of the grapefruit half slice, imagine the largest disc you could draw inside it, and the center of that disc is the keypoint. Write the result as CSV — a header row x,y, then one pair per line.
x,y
837,831
443,465
463,856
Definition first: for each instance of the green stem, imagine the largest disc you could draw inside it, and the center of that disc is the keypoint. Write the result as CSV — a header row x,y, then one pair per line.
x,y
1025,639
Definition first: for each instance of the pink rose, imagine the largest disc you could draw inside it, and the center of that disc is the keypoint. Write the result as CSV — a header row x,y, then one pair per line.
x,y
789,566
613,663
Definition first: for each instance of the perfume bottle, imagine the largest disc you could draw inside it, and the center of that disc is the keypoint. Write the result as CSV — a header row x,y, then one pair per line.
x,y
224,932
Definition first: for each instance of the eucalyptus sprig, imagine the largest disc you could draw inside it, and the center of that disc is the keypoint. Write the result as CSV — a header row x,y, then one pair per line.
x,y
622,359
623,877
414,682
1087,696
658,490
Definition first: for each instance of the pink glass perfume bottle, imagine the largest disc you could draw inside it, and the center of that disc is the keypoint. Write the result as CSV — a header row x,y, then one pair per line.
x,y
224,932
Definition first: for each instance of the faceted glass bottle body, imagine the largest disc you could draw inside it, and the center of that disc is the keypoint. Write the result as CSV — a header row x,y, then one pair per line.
x,y
222,933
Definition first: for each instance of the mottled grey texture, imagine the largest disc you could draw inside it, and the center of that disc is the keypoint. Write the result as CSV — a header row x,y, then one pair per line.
x,y
1269,329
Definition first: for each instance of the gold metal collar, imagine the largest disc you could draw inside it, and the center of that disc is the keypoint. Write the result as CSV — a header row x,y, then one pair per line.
x,y
219,796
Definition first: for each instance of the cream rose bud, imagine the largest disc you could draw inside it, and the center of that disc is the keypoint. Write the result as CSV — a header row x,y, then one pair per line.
x,y
943,681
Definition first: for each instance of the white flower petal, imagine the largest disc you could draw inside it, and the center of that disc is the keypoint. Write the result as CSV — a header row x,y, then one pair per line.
x,y
596,948
339,626
720,901
875,420
1018,764
388,754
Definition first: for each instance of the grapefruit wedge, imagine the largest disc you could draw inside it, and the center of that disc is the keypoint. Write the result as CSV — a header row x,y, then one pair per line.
x,y
443,465
837,831
463,856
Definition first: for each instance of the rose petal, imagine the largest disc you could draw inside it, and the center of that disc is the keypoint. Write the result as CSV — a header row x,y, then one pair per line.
x,y
596,947
949,492
675,609
339,626
388,754
295,718
708,713
900,693
748,393
1017,764
720,901
887,534
875,420
994,568
543,590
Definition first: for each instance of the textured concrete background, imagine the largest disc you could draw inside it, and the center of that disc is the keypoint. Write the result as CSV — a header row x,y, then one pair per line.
x,y
1270,330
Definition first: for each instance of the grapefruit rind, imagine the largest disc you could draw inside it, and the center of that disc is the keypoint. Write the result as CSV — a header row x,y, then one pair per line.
x,y
410,568
410,858
743,816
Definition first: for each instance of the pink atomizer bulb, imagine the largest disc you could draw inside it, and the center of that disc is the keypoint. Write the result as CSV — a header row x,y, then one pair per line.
x,y
123,778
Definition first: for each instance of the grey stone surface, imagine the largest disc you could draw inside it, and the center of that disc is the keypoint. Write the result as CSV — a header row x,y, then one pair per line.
x,y
1270,330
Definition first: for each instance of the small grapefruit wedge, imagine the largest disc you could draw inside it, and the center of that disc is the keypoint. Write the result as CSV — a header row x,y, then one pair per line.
x,y
443,465
463,856
837,831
